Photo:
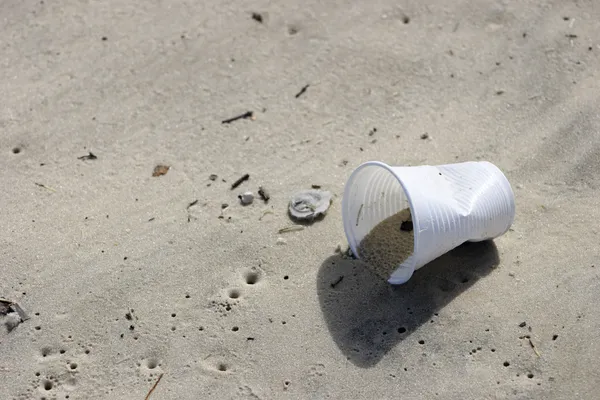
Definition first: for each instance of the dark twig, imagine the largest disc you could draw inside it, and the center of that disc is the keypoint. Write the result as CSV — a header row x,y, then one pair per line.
x,y
246,115
45,187
154,386
359,213
89,156
241,180
193,203
336,282
302,91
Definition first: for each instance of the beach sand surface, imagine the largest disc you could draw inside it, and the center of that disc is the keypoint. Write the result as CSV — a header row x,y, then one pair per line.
x,y
127,277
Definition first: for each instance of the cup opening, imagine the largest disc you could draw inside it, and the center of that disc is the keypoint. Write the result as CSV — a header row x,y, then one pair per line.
x,y
372,194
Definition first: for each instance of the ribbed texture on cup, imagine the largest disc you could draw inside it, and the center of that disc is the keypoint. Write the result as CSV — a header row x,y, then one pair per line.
x,y
372,194
450,204
482,193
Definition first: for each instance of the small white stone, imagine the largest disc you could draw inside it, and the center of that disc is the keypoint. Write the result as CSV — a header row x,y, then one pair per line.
x,y
11,321
281,241
246,198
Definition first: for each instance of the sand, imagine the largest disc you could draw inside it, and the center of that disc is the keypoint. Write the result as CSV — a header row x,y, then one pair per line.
x,y
388,244
126,277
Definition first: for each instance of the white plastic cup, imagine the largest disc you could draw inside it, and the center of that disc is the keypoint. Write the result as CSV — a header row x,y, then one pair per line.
x,y
450,204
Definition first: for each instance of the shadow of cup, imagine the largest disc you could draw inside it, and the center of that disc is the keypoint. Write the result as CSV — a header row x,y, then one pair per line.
x,y
367,316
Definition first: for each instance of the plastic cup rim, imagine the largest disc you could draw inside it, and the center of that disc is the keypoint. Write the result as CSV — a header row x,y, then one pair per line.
x,y
414,217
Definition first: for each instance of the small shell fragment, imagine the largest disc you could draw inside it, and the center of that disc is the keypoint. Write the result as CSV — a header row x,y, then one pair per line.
x,y
160,170
309,204
246,198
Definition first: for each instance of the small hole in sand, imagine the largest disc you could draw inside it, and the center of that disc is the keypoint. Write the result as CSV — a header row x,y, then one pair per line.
x,y
222,367
234,293
173,328
530,375
48,385
187,296
201,328
554,337
173,315
421,342
251,278
37,374
62,351
151,364
16,150
37,328
73,365
493,350
87,352
506,363
46,352
401,329
286,277
235,329
406,19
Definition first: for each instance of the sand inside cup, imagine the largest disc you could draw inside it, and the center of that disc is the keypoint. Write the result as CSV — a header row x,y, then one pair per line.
x,y
388,244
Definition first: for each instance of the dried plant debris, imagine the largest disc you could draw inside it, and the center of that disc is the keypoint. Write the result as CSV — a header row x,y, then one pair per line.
x,y
160,170
246,198
246,115
309,204
293,228
89,156
302,91
45,187
241,180
264,194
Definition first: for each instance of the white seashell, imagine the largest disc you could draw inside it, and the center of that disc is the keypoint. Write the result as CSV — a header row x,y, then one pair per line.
x,y
309,204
